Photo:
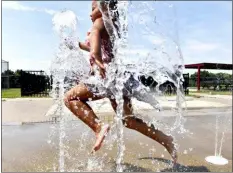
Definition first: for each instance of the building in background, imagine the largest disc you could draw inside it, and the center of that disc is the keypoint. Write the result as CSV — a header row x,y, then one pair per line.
x,y
5,66
5,79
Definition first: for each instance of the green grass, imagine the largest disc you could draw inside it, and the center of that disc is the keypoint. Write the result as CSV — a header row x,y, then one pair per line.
x,y
211,92
11,93
16,93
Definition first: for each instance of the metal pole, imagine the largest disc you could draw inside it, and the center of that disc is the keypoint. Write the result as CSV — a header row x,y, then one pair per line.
x,y
198,78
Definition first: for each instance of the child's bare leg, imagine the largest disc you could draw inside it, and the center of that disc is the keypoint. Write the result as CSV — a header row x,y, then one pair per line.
x,y
157,135
75,100
137,124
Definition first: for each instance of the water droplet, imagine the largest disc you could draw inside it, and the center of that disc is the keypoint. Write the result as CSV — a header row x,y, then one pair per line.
x,y
162,156
86,112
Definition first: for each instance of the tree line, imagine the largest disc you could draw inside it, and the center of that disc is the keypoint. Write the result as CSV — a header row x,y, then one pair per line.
x,y
11,79
209,79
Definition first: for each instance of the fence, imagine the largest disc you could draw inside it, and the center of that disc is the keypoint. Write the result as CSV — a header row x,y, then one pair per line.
x,y
220,84
34,83
186,83
10,81
37,83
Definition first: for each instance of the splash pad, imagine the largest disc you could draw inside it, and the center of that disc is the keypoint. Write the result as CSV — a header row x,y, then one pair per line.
x,y
218,159
153,61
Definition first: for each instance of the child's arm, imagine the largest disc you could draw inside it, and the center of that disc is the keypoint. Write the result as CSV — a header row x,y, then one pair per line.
x,y
95,14
83,46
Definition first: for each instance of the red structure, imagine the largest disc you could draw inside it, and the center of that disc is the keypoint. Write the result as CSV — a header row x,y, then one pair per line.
x,y
212,66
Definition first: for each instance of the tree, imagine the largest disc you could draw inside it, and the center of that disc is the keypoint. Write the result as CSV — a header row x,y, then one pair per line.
x,y
7,73
203,74
12,77
224,76
209,79
18,72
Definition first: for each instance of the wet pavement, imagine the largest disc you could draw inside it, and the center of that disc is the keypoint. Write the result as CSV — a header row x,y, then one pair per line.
x,y
35,147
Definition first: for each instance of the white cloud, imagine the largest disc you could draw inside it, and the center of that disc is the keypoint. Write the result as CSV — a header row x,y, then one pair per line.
x,y
156,40
132,51
196,45
48,11
195,51
15,5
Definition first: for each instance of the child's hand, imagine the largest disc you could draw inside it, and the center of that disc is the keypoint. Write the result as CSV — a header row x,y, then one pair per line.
x,y
83,46
102,72
101,68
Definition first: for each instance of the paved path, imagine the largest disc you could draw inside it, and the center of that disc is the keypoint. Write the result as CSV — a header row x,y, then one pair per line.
x,y
228,97
20,110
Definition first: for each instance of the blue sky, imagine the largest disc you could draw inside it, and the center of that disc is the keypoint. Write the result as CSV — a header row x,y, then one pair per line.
x,y
204,30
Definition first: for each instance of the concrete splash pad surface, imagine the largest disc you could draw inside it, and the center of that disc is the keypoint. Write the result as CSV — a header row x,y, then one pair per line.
x,y
26,148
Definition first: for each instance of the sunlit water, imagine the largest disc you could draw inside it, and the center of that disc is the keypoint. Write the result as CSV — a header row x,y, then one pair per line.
x,y
220,131
149,45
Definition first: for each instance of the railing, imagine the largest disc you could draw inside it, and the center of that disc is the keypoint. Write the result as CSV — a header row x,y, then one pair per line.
x,y
220,84
35,83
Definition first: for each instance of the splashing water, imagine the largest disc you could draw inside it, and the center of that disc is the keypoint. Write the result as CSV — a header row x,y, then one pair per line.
x,y
220,132
62,70
159,57
121,47
66,20
226,121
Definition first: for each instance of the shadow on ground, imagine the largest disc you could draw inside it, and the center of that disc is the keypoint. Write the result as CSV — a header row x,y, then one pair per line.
x,y
178,167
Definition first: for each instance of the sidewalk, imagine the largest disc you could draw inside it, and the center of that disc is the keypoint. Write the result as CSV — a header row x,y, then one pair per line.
x,y
228,97
167,104
16,111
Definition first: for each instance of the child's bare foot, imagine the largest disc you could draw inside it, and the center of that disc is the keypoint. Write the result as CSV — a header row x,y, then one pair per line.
x,y
170,146
100,137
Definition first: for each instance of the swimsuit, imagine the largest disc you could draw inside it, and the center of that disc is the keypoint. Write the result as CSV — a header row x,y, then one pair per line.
x,y
105,50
